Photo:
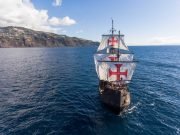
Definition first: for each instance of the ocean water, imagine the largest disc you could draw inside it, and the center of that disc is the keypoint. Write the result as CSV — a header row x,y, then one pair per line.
x,y
55,91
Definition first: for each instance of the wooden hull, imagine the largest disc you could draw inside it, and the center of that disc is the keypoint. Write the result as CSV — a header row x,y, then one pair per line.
x,y
117,99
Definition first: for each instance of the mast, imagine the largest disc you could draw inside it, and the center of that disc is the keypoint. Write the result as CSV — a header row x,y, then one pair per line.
x,y
112,29
116,53
119,43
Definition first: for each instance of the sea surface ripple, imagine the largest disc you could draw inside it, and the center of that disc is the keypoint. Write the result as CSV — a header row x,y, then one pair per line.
x,y
55,91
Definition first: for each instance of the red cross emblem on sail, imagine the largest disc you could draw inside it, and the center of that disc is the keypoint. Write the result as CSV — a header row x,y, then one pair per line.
x,y
113,58
118,73
112,41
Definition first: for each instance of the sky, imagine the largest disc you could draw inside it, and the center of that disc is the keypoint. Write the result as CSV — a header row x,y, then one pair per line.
x,y
144,22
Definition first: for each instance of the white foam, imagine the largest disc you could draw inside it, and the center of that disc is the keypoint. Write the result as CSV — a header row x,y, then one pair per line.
x,y
133,108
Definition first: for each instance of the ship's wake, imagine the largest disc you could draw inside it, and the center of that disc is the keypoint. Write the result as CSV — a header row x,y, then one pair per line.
x,y
131,109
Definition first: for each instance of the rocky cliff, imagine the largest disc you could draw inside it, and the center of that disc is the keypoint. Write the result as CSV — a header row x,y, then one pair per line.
x,y
22,37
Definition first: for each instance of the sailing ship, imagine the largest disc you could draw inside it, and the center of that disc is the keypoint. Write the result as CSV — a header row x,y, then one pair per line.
x,y
115,65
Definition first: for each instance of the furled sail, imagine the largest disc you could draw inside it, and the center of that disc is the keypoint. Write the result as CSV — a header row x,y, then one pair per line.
x,y
114,57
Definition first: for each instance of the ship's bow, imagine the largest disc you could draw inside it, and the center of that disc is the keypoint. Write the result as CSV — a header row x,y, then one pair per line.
x,y
115,98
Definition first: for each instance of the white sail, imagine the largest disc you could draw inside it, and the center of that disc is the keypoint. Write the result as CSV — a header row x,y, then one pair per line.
x,y
104,43
116,63
121,71
114,71
112,41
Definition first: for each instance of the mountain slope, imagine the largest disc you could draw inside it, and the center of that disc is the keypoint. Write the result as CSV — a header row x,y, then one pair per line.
x,y
23,37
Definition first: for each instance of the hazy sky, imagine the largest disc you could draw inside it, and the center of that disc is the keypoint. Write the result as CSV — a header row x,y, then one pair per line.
x,y
144,22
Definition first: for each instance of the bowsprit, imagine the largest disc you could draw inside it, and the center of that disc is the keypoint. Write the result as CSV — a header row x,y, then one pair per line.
x,y
115,69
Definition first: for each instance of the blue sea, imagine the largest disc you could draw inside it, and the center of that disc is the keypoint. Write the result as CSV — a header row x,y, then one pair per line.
x,y
54,91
